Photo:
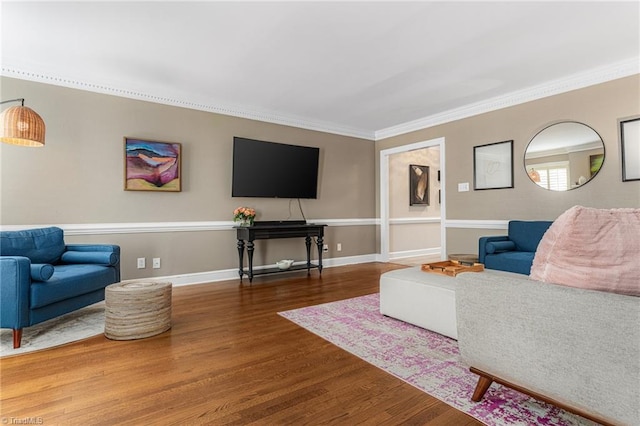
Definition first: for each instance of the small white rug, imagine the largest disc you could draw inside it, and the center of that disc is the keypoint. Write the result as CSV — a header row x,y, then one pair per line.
x,y
77,325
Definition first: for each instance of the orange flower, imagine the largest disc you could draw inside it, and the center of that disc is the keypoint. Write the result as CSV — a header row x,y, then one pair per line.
x,y
242,213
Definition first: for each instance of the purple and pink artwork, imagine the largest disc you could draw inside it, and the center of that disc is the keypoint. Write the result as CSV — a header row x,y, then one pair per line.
x,y
152,166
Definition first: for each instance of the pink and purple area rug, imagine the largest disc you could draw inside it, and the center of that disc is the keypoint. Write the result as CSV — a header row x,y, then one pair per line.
x,y
424,359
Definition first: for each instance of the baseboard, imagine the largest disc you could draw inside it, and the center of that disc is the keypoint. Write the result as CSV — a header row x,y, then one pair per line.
x,y
232,274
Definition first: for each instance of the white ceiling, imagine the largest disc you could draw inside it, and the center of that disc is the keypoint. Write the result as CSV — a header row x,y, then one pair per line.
x,y
367,69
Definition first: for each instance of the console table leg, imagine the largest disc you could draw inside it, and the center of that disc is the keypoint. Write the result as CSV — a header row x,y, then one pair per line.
x,y
320,244
240,258
250,256
307,242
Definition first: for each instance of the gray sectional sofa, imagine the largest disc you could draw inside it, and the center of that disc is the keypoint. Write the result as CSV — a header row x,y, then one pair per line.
x,y
579,349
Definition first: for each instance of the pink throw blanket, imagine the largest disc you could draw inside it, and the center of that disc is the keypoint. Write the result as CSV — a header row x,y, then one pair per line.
x,y
595,249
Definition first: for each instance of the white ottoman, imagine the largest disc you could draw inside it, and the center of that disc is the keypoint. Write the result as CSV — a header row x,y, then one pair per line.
x,y
420,298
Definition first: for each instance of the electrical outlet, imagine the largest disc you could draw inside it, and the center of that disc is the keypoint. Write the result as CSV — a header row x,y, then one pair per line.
x,y
141,263
156,263
339,247
325,248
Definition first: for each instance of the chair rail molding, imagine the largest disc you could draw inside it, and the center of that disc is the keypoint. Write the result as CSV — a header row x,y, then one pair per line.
x,y
477,224
145,227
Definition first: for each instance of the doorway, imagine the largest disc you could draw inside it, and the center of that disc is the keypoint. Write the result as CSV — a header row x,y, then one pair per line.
x,y
385,220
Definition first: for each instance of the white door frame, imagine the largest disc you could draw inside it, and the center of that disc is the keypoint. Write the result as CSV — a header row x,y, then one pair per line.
x,y
384,194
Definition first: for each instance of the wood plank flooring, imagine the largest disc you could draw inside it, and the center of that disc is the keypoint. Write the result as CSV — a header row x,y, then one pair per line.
x,y
228,359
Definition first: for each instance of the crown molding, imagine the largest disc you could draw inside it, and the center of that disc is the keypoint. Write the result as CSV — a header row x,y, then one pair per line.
x,y
555,87
231,110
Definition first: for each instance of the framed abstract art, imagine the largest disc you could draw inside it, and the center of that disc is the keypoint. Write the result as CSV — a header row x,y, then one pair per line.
x,y
418,185
152,165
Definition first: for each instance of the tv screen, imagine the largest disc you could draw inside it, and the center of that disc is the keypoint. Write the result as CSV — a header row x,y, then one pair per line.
x,y
274,170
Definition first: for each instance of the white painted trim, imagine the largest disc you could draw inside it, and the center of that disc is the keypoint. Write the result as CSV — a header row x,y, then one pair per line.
x,y
232,110
384,204
384,193
413,220
232,274
477,224
346,222
414,253
146,227
576,81
555,87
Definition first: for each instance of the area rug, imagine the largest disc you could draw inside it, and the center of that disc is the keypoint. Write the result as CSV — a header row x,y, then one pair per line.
x,y
77,325
426,360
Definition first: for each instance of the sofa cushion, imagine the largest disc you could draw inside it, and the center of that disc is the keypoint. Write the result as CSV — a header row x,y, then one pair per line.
x,y
596,249
89,257
43,245
69,281
510,261
527,234
41,271
497,246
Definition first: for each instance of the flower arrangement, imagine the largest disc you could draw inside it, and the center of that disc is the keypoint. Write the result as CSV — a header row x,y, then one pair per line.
x,y
244,215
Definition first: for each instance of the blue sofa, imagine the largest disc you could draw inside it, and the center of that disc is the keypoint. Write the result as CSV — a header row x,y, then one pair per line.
x,y
513,252
41,277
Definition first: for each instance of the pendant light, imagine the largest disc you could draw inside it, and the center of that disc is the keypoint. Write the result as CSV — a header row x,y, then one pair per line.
x,y
21,125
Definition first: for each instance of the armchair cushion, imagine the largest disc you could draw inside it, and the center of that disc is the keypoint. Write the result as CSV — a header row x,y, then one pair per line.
x,y
496,246
41,271
89,257
44,245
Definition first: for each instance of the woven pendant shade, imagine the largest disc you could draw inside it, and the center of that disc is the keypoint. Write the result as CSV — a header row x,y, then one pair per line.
x,y
22,126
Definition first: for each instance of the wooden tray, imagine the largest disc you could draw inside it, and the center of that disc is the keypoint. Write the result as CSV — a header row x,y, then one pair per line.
x,y
452,267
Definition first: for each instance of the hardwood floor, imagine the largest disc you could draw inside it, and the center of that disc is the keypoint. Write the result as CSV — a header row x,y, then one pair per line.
x,y
228,359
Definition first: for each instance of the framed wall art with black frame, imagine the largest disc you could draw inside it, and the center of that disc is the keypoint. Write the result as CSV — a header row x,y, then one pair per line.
x,y
418,185
630,148
493,165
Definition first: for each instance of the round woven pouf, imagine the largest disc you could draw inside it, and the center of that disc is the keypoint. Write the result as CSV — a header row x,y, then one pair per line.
x,y
137,309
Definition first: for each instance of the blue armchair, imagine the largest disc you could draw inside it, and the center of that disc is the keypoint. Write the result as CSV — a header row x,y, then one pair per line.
x,y
41,277
513,252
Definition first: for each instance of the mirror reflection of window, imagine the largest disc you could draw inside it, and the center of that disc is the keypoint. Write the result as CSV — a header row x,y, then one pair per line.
x,y
553,176
564,156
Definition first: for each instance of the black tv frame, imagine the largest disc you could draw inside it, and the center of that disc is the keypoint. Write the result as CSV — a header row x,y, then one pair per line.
x,y
265,169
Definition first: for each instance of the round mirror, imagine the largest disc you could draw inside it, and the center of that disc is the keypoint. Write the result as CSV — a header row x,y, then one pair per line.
x,y
564,156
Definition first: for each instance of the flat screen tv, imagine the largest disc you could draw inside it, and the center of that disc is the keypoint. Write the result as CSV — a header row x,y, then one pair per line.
x,y
274,170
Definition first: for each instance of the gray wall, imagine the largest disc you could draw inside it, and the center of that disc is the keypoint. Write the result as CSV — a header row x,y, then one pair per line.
x,y
77,178
598,106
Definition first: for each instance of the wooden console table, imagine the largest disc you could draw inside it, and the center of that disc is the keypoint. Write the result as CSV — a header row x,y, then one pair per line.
x,y
275,229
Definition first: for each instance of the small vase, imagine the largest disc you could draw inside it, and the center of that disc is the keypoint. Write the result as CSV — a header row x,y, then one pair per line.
x,y
246,222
